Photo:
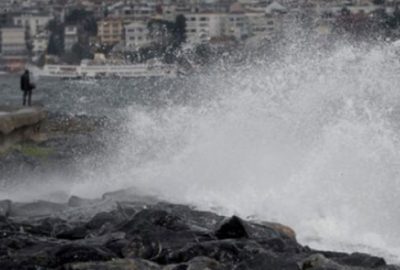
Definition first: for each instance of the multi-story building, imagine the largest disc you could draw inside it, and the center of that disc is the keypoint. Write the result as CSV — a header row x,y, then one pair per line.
x,y
137,35
201,27
70,37
33,23
110,31
13,41
40,43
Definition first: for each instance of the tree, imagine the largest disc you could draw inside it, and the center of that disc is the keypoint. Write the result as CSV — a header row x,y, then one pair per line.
x,y
179,31
378,2
84,18
56,40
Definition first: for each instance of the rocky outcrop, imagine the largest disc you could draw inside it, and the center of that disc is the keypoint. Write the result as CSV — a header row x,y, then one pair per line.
x,y
12,119
139,232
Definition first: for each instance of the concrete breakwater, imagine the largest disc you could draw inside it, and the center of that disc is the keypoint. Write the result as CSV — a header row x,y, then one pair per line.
x,y
19,123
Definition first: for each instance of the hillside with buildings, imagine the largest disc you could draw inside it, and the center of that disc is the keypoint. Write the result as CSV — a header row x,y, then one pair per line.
x,y
67,31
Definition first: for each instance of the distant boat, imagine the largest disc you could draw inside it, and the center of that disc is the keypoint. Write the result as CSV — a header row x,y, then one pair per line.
x,y
98,71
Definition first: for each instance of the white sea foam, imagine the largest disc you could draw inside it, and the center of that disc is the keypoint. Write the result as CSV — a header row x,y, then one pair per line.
x,y
310,141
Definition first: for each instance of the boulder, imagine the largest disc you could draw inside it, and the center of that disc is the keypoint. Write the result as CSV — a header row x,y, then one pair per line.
x,y
14,118
39,208
117,264
267,261
233,227
320,262
78,253
75,201
361,260
101,218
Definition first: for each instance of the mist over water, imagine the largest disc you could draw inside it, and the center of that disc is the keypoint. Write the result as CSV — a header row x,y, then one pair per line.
x,y
310,140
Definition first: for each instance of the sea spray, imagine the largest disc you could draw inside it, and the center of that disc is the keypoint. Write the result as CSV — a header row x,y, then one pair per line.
x,y
309,140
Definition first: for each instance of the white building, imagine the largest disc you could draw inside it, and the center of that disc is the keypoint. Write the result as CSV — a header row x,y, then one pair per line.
x,y
201,27
70,37
33,23
40,43
137,35
13,41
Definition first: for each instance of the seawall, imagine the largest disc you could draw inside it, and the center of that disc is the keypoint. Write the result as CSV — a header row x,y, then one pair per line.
x,y
19,124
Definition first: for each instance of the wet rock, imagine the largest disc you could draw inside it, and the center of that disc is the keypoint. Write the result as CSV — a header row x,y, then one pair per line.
x,y
225,251
74,233
232,228
77,253
267,261
285,231
117,264
361,260
320,262
131,195
76,201
198,263
39,208
100,219
153,219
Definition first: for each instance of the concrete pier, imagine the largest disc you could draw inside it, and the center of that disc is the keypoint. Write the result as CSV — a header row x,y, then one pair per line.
x,y
19,123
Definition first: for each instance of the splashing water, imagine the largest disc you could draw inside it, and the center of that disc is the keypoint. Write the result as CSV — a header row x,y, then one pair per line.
x,y
310,141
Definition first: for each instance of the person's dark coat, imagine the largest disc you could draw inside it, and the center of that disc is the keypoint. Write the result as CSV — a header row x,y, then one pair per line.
x,y
25,82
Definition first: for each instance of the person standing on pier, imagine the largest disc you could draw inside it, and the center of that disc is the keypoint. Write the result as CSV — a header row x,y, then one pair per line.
x,y
26,87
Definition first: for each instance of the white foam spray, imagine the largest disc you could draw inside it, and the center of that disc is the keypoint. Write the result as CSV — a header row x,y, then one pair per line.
x,y
310,141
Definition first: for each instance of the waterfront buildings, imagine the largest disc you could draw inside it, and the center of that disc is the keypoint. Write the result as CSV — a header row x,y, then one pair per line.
x,y
110,31
137,35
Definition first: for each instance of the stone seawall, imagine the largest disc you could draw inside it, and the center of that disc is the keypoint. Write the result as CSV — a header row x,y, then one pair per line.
x,y
19,123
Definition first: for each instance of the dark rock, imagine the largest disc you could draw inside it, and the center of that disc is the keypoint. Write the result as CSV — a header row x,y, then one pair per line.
x,y
361,260
198,263
320,262
50,226
118,264
130,195
75,233
232,228
149,218
225,251
75,201
76,253
196,220
39,208
267,261
100,219
117,246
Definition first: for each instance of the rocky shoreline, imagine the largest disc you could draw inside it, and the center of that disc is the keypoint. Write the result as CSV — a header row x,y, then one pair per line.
x,y
124,230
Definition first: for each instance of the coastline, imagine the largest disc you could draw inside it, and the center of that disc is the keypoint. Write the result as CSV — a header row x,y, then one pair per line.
x,y
126,230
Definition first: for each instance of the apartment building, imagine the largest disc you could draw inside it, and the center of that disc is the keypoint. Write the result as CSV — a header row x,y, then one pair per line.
x,y
110,31
13,41
201,27
137,35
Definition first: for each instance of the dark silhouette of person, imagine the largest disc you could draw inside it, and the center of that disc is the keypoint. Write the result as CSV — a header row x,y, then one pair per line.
x,y
27,87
